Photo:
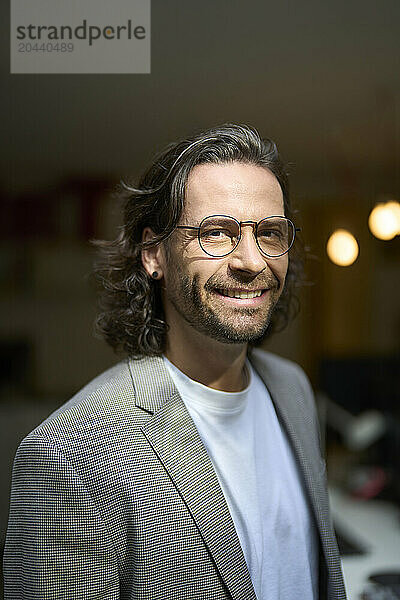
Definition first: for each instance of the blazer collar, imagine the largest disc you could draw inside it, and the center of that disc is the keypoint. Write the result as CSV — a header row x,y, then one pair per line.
x,y
153,385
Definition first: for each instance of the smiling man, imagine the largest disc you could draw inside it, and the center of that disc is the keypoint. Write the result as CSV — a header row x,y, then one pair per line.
x,y
192,469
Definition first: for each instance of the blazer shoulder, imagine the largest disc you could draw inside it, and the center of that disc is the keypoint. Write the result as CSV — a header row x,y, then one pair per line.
x,y
99,401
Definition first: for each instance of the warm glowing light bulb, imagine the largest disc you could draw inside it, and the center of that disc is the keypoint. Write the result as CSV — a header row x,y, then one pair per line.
x,y
342,248
384,220
394,208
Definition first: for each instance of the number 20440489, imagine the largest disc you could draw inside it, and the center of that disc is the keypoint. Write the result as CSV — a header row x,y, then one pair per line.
x,y
46,47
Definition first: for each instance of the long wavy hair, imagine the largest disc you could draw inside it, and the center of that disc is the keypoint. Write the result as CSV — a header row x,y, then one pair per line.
x,y
131,317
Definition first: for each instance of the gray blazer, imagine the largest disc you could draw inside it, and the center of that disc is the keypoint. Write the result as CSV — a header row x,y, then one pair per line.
x,y
114,495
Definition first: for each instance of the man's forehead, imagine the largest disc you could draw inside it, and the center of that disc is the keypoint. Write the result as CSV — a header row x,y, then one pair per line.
x,y
234,185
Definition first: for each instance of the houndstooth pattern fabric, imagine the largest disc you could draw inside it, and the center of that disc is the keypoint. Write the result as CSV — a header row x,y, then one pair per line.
x,y
114,495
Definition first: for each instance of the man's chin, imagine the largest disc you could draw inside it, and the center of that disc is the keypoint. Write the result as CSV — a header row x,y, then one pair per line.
x,y
229,333
238,339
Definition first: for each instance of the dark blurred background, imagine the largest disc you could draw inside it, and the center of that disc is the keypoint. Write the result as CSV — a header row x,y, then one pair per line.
x,y
322,80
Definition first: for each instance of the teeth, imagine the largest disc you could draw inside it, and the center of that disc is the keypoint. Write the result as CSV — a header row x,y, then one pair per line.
x,y
242,295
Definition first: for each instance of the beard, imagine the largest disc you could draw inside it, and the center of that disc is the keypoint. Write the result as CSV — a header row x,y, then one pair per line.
x,y
208,315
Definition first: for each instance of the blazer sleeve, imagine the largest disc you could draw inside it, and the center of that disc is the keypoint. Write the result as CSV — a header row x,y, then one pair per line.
x,y
57,545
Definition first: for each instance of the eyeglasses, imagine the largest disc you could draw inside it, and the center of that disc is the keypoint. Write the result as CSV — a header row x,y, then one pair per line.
x,y
219,235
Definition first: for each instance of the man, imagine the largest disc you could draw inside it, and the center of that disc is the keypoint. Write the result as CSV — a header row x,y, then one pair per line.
x,y
192,469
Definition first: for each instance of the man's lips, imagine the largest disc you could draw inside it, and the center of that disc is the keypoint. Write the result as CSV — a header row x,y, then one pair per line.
x,y
240,293
241,297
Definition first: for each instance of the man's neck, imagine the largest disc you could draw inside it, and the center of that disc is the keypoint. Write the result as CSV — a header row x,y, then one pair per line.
x,y
214,364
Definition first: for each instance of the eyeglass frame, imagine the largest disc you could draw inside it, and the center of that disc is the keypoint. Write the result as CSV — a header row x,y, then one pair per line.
x,y
254,225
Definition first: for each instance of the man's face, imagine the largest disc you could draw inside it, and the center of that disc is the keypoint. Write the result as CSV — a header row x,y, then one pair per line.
x,y
198,289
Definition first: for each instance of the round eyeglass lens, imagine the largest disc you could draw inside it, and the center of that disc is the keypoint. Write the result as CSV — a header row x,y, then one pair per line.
x,y
219,235
275,235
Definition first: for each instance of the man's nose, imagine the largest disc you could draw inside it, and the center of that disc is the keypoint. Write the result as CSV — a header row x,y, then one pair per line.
x,y
247,255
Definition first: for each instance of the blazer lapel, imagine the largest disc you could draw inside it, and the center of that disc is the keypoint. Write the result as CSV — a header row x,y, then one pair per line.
x,y
176,441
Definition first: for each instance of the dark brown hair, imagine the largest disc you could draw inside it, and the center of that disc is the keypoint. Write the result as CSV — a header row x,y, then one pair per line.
x,y
132,317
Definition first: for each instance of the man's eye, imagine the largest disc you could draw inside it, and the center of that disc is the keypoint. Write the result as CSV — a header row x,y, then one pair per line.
x,y
271,234
217,233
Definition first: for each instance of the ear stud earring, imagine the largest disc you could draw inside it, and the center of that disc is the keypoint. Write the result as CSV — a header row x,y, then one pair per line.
x,y
154,274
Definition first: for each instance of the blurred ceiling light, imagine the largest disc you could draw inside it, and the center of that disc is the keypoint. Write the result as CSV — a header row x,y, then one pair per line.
x,y
384,220
342,248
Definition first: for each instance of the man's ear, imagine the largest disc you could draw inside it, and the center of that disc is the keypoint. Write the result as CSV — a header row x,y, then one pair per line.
x,y
153,257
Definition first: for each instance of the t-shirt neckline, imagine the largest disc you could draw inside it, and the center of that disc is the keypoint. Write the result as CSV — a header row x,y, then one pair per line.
x,y
209,398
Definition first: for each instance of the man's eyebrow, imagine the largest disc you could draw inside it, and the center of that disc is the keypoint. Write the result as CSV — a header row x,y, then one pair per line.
x,y
189,227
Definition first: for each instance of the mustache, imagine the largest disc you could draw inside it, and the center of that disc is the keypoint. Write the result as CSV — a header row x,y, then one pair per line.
x,y
268,281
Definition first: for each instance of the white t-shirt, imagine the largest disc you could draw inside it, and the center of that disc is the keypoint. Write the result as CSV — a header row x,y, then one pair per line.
x,y
261,482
